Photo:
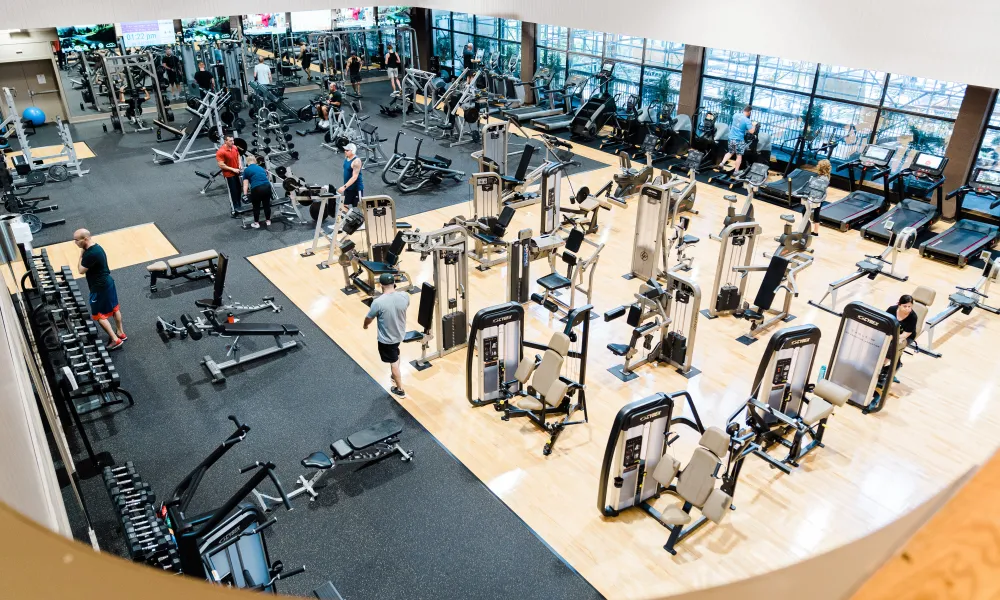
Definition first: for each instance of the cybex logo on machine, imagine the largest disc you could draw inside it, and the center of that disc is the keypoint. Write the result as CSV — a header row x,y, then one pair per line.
x,y
654,194
503,319
872,322
799,342
644,418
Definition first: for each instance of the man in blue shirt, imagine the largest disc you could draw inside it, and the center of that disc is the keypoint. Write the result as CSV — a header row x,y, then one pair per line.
x,y
257,187
737,137
354,182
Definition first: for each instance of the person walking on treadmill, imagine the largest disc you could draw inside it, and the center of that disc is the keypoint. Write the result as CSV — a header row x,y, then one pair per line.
x,y
737,137
389,309
354,181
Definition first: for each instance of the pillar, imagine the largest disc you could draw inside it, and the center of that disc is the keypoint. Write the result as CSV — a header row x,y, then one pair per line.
x,y
690,95
421,22
529,31
970,125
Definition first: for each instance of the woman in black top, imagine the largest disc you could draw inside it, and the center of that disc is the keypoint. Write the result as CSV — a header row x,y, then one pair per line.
x,y
354,70
903,311
392,67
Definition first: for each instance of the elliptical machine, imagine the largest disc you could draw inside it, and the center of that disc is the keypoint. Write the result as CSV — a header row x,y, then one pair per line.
x,y
752,179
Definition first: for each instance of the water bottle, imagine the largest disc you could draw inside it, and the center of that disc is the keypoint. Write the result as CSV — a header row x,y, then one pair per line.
x,y
822,372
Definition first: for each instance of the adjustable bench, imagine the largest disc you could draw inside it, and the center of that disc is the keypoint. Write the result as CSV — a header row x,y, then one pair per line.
x,y
192,266
238,330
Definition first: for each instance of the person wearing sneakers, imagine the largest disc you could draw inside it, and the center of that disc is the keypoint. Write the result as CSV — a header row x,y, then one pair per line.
x,y
389,310
257,188
103,296
354,181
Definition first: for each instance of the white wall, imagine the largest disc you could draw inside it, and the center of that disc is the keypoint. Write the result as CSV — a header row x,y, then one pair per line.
x,y
926,38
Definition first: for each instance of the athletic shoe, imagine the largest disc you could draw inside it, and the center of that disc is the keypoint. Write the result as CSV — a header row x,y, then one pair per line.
x,y
814,234
268,223
255,225
397,391
123,337
114,346
324,124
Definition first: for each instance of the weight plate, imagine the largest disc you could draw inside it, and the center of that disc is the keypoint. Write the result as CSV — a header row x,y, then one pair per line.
x,y
285,128
213,134
234,106
169,113
116,123
281,171
327,137
58,173
227,117
305,113
289,184
193,103
271,106
294,155
290,145
241,145
34,178
33,222
239,124
288,137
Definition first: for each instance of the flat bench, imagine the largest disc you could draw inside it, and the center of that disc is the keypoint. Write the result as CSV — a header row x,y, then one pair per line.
x,y
191,267
258,329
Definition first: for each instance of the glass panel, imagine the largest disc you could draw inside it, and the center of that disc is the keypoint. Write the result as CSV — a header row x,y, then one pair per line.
x,y
491,47
551,36
660,87
781,115
587,42
989,152
442,46
665,54
441,18
508,50
556,61
625,82
848,124
510,30
462,21
908,132
585,65
731,65
723,98
859,85
486,26
460,40
624,47
926,96
786,74
995,117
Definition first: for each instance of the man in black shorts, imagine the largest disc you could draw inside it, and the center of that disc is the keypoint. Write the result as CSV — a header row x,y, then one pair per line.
x,y
172,69
204,79
305,58
103,295
354,71
389,309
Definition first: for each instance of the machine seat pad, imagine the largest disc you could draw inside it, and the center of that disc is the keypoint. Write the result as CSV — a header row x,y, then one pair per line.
x,y
831,392
618,349
259,329
675,516
554,281
487,238
788,218
317,460
817,410
752,315
691,239
377,268
872,267
511,179
730,197
961,299
197,257
375,434
413,336
529,403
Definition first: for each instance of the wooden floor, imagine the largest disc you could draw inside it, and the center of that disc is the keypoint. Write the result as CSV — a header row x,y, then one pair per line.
x,y
942,419
47,154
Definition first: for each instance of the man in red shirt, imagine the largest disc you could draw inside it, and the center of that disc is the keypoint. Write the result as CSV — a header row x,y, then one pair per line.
x,y
228,158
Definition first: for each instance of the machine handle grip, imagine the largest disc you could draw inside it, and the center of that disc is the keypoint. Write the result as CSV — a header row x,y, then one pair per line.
x,y
292,573
249,468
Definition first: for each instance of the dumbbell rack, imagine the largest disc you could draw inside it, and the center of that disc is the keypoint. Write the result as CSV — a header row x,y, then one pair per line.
x,y
73,355
148,539
271,137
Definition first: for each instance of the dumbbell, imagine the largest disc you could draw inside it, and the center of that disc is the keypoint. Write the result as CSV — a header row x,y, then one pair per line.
x,y
136,487
125,502
140,548
120,475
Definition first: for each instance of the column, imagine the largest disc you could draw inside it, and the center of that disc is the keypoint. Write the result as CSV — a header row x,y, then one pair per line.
x,y
529,31
420,20
973,117
690,95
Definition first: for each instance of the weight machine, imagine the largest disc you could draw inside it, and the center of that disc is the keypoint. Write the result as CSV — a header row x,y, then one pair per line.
x,y
497,349
659,205
968,298
444,304
19,203
130,75
205,119
384,245
58,167
779,275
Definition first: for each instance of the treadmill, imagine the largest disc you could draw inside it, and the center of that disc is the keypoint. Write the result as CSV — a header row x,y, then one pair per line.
x,y
859,207
978,204
542,85
916,184
565,119
781,189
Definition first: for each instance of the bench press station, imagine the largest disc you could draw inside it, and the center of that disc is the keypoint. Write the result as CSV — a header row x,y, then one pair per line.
x,y
191,267
375,443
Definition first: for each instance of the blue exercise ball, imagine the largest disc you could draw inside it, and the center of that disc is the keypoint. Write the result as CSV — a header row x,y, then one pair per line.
x,y
34,115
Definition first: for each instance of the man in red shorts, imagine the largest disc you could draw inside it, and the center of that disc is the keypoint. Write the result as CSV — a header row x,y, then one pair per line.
x,y
103,295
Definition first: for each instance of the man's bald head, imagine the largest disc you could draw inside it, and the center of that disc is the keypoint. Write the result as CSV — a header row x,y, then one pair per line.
x,y
81,237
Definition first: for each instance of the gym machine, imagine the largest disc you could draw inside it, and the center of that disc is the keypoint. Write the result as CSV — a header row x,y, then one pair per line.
x,y
58,167
498,334
490,221
736,250
974,232
131,76
779,275
797,238
968,298
871,267
383,248
783,402
205,119
866,340
639,467
859,206
19,203
752,179
444,304
326,204
916,186
758,152
555,378
600,108
578,269
656,215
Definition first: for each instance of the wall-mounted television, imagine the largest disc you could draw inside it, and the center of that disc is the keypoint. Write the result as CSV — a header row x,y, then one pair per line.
x,y
87,37
206,28
264,23
394,15
311,20
358,16
148,33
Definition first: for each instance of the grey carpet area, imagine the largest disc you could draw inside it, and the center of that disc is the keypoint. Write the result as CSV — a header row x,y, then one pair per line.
x,y
424,529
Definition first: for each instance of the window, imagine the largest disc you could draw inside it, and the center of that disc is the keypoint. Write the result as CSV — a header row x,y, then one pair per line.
x,y
989,149
926,96
781,115
499,39
850,125
724,98
730,65
443,46
441,19
660,87
625,47
587,66
556,61
550,36
587,42
855,85
912,134
487,27
460,42
462,22
665,54
786,74
510,30
626,81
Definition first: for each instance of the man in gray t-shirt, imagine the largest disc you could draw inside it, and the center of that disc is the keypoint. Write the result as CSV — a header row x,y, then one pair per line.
x,y
389,310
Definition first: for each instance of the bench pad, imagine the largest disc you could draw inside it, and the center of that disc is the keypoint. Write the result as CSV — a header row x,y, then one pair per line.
x,y
259,329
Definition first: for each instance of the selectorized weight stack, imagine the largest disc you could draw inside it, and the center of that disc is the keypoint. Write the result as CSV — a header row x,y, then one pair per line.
x,y
498,335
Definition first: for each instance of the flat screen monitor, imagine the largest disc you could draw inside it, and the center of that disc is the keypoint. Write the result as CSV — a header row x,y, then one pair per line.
x,y
394,15
264,23
148,33
877,153
87,37
201,29
358,16
988,179
928,161
312,20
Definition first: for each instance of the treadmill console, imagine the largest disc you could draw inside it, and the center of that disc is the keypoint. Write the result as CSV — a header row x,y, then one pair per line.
x,y
928,165
986,182
876,156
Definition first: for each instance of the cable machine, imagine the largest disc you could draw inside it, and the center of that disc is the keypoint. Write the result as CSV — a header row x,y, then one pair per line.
x,y
129,75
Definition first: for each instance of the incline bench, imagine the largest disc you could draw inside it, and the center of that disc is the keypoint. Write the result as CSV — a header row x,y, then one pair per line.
x,y
210,324
191,267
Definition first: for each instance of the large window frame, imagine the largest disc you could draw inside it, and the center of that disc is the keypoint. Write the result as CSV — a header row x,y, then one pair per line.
x,y
492,34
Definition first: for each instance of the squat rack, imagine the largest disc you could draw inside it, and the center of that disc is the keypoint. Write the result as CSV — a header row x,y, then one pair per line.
x,y
133,69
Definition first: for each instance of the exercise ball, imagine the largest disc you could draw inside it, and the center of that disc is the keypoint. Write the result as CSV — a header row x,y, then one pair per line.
x,y
34,115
